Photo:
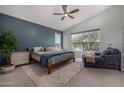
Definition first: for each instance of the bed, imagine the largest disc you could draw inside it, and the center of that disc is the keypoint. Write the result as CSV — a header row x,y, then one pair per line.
x,y
52,58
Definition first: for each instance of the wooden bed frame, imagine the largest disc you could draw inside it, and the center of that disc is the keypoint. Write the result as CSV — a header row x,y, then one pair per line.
x,y
50,67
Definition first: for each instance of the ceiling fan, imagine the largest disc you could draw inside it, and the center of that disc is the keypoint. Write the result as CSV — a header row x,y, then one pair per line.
x,y
66,13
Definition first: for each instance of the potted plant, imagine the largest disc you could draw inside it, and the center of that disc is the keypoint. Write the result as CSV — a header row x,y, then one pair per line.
x,y
8,44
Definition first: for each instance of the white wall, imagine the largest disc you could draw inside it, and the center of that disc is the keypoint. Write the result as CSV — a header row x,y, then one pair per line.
x,y
110,22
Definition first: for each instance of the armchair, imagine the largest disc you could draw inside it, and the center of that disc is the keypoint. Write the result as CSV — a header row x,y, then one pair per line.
x,y
109,58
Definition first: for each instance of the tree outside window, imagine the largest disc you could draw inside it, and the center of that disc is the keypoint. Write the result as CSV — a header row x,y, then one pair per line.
x,y
87,41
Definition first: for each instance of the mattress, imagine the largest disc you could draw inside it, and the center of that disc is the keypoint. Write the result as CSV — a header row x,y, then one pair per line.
x,y
37,55
52,57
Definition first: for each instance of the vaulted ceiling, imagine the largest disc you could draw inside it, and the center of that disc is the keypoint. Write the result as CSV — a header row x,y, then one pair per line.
x,y
43,14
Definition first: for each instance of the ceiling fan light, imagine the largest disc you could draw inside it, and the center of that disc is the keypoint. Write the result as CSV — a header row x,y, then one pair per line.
x,y
65,14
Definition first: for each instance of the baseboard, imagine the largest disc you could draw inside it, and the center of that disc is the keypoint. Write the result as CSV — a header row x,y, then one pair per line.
x,y
122,69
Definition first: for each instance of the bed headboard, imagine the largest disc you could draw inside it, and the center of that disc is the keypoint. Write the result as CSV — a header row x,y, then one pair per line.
x,y
45,49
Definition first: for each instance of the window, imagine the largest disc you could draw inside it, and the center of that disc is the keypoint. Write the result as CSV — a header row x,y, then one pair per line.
x,y
87,41
58,40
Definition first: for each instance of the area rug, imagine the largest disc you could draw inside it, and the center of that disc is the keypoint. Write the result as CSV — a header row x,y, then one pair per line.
x,y
59,78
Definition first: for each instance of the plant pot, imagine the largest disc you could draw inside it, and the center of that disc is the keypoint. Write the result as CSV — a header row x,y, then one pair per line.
x,y
8,68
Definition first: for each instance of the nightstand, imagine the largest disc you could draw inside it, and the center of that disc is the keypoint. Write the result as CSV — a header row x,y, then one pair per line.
x,y
19,58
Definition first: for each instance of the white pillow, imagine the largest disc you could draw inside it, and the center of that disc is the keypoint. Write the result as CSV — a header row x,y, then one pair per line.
x,y
37,49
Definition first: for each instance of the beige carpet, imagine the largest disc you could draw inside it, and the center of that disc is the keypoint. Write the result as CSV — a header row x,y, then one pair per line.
x,y
17,78
59,77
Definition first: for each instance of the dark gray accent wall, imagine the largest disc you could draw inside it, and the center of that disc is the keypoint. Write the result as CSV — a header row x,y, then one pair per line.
x,y
28,34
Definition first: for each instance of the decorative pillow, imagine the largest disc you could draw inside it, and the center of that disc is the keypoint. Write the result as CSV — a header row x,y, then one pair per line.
x,y
106,52
50,49
110,51
113,50
38,49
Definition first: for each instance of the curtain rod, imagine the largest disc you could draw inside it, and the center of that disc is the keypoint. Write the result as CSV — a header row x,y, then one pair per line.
x,y
87,31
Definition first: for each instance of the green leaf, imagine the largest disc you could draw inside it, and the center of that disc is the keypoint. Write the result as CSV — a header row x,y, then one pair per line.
x,y
8,42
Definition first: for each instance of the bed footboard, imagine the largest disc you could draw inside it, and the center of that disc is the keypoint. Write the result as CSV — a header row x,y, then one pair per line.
x,y
49,69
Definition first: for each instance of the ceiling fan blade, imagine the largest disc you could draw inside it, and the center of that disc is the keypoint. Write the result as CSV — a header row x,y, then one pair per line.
x,y
58,14
64,7
62,17
73,11
71,16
